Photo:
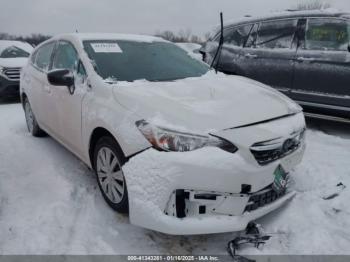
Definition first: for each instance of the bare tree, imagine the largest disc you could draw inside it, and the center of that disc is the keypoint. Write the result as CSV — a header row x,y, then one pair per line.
x,y
167,35
313,5
207,36
184,36
181,36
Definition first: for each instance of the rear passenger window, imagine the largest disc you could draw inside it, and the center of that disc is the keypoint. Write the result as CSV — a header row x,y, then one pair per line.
x,y
43,56
237,36
276,34
327,34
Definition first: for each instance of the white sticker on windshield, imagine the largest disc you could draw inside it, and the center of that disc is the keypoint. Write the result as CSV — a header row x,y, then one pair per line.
x,y
106,48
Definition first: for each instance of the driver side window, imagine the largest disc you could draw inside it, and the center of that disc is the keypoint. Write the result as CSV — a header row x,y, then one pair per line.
x,y
66,57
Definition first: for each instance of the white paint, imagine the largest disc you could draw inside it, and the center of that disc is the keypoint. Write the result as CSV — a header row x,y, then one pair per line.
x,y
210,104
50,203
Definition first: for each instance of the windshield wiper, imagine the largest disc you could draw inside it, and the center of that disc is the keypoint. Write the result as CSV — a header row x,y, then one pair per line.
x,y
221,42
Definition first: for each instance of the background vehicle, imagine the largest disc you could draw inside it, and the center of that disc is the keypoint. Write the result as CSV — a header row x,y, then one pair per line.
x,y
13,56
305,55
176,144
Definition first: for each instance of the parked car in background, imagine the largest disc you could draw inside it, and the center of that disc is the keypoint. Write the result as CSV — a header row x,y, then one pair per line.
x,y
305,55
185,150
13,56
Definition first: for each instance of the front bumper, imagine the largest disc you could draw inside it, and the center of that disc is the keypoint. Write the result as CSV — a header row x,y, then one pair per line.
x,y
154,178
215,223
8,88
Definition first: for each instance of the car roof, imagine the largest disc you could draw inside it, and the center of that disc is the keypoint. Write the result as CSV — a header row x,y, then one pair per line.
x,y
330,12
109,36
8,43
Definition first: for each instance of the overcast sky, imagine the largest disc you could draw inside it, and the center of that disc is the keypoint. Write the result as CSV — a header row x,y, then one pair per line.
x,y
130,16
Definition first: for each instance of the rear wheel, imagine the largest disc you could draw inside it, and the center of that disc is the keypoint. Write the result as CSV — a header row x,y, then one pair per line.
x,y
32,124
108,162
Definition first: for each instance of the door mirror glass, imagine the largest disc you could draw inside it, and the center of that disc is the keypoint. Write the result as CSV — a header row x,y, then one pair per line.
x,y
61,77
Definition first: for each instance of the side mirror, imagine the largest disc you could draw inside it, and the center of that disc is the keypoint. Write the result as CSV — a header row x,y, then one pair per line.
x,y
62,77
349,47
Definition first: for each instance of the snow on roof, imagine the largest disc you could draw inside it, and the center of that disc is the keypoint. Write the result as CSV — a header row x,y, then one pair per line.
x,y
284,14
8,43
290,13
112,36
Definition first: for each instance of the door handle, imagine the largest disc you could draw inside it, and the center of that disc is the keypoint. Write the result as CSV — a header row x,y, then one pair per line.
x,y
305,59
251,56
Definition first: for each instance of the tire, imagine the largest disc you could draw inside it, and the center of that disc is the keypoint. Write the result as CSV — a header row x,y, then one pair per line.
x,y
108,162
32,124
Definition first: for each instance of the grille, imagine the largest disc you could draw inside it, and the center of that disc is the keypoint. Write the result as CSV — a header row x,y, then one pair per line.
x,y
270,151
12,73
263,198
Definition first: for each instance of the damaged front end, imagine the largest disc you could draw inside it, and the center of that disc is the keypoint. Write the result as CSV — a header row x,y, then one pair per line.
x,y
195,203
212,189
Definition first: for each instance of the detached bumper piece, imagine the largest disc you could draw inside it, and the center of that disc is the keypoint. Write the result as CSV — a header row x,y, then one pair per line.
x,y
192,203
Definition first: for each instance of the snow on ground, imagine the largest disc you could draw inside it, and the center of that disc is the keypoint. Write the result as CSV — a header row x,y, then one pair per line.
x,y
50,202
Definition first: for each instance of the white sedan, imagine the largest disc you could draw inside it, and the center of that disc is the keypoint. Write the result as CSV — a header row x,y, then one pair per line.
x,y
182,149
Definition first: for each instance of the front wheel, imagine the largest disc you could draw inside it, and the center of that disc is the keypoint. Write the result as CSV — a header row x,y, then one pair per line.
x,y
108,162
32,124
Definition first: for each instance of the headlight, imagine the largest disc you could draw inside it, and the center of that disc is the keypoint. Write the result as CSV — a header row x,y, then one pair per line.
x,y
1,72
170,140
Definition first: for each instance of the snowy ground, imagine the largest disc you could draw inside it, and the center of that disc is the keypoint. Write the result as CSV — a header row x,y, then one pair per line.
x,y
50,203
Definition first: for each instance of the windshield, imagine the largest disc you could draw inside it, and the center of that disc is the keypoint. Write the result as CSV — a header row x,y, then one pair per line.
x,y
12,52
130,61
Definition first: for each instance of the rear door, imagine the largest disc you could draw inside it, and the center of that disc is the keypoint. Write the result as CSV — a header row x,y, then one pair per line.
x,y
270,52
322,68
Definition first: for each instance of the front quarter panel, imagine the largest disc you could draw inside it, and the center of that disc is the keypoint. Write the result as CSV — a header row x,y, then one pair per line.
x,y
101,110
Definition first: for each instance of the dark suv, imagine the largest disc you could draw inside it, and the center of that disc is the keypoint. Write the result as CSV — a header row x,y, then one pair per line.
x,y
13,56
305,55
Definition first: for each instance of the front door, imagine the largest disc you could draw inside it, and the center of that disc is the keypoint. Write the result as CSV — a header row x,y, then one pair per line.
x,y
322,68
42,96
231,54
68,103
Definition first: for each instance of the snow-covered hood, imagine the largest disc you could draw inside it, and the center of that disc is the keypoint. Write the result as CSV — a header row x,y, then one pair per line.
x,y
205,104
13,62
